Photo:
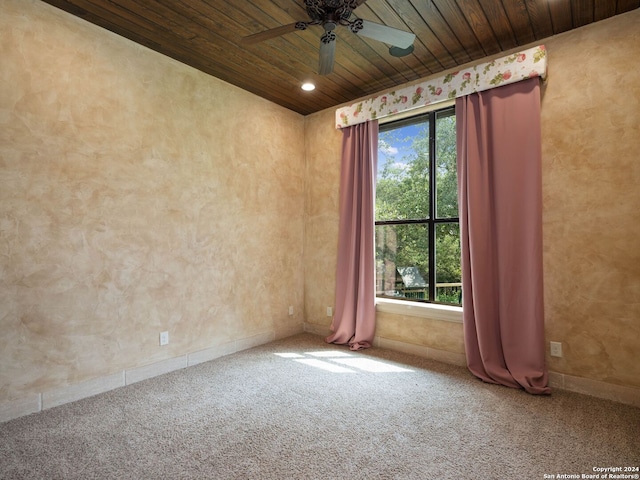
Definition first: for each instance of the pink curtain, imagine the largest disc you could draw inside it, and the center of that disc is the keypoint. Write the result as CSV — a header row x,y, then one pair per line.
x,y
500,195
354,317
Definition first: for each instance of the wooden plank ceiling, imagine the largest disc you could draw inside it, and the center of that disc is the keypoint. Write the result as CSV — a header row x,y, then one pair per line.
x,y
207,34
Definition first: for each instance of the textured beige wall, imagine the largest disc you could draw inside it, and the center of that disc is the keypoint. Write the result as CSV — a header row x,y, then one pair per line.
x,y
591,172
591,165
137,195
323,145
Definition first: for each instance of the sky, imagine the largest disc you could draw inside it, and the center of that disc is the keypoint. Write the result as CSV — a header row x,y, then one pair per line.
x,y
398,149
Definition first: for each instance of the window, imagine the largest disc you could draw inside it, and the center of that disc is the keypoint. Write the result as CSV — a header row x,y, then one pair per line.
x,y
417,230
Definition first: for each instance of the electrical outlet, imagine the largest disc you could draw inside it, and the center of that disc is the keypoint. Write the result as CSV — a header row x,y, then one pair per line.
x,y
556,349
164,338
329,312
291,310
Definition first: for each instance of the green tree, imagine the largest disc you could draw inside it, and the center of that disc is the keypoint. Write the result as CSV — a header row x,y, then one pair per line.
x,y
447,234
403,193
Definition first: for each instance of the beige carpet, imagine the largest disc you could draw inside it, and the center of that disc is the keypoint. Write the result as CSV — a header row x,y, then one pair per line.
x,y
302,409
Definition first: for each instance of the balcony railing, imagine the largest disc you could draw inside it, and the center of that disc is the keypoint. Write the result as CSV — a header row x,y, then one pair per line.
x,y
450,292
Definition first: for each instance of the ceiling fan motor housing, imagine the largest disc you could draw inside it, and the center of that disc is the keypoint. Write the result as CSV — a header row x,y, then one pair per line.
x,y
335,11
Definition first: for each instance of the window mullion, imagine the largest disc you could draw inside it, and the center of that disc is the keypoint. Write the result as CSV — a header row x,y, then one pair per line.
x,y
432,206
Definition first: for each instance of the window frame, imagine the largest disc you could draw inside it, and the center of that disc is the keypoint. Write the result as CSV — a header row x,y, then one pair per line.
x,y
432,221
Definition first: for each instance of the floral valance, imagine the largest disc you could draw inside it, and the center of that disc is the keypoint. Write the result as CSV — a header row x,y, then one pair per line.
x,y
512,68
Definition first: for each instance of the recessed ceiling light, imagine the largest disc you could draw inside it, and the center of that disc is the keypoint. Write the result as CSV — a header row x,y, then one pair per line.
x,y
308,86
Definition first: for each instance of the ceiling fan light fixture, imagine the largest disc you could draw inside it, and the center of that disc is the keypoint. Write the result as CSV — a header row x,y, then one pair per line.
x,y
308,86
400,52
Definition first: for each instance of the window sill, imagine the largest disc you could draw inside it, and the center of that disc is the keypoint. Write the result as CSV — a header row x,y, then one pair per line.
x,y
424,310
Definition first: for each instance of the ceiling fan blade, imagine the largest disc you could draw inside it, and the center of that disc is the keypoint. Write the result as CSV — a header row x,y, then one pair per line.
x,y
327,53
268,34
388,35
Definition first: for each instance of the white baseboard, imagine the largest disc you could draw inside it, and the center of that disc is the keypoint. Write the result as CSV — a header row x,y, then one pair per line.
x,y
443,356
254,341
139,374
419,350
586,386
595,388
316,329
211,353
41,401
78,391
289,331
21,407
52,398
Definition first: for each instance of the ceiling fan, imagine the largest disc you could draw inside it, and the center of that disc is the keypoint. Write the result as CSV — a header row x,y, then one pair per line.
x,y
331,14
